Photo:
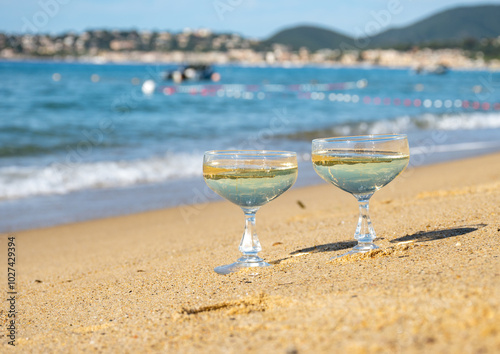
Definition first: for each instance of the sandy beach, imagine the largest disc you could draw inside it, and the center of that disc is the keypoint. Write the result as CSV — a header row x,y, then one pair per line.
x,y
145,282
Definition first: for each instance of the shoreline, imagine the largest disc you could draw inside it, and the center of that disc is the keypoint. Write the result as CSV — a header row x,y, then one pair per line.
x,y
95,204
146,282
285,65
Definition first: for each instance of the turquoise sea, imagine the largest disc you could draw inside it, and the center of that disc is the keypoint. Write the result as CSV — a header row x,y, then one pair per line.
x,y
81,141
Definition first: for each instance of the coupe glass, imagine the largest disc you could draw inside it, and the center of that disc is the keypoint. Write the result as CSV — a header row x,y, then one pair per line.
x,y
249,179
361,165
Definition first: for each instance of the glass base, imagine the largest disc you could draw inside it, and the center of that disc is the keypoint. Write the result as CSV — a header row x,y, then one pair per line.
x,y
361,247
243,262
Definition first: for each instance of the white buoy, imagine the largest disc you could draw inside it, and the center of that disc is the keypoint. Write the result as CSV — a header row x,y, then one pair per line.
x,y
148,87
362,83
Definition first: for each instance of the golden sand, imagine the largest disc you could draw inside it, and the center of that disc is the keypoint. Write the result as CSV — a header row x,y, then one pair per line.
x,y
145,282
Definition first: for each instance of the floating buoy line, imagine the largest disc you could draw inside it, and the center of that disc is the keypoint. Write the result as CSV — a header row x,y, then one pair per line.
x,y
314,91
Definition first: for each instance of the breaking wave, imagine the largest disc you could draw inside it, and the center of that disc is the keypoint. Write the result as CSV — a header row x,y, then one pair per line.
x,y
61,178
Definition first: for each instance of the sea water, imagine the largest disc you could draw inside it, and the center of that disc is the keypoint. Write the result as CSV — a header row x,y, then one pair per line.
x,y
81,140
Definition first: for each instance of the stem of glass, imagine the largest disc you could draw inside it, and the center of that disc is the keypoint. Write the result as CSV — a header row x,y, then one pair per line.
x,y
365,234
250,244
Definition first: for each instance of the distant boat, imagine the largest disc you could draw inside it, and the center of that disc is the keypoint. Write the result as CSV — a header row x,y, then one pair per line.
x,y
437,70
193,72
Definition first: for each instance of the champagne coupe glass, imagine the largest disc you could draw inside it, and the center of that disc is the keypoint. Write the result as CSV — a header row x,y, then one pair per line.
x,y
361,165
249,179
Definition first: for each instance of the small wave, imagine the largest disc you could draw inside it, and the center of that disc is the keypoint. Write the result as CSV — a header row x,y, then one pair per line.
x,y
33,149
57,105
59,178
480,145
404,124
25,150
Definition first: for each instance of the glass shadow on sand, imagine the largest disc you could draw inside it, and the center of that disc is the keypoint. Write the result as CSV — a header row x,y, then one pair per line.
x,y
329,247
423,236
420,236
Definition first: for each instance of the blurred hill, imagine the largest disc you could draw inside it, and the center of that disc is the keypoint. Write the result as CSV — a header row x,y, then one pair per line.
x,y
454,25
474,30
311,37
450,26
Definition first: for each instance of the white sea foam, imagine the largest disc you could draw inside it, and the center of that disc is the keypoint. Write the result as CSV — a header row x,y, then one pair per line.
x,y
457,121
479,145
58,178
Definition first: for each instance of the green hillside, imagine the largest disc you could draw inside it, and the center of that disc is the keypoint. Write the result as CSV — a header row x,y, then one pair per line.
x,y
311,37
449,26
453,25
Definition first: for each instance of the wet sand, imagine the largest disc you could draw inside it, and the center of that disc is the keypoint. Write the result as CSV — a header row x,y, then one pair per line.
x,y
145,282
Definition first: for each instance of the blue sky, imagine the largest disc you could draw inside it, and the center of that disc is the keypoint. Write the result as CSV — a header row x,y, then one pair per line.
x,y
253,18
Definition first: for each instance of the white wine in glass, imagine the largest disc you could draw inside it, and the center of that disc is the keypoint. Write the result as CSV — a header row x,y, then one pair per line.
x,y
361,165
249,179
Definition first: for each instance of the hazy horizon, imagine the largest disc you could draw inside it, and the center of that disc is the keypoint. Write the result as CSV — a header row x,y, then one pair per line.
x,y
251,18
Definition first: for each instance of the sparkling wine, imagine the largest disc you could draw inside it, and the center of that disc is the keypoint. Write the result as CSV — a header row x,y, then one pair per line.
x,y
359,173
251,186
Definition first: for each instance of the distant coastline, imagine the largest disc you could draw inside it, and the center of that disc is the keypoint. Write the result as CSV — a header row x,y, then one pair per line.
x,y
388,58
466,37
